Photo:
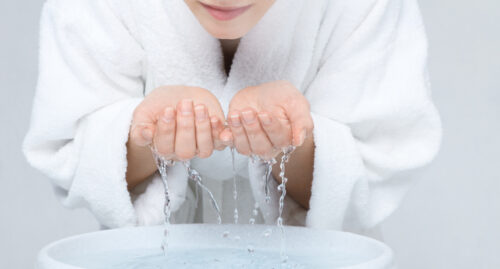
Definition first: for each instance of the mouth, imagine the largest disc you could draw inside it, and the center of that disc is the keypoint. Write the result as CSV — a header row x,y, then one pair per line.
x,y
224,13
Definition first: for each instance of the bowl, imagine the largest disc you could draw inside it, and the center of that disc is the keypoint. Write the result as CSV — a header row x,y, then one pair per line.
x,y
216,246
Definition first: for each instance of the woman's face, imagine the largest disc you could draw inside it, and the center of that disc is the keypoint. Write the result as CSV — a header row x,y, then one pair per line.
x,y
229,19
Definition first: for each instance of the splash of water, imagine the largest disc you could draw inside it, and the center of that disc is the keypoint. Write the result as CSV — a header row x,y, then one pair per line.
x,y
255,213
269,169
162,166
282,188
235,188
195,176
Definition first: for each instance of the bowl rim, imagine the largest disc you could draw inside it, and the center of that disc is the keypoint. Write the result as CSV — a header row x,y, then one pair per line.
x,y
385,260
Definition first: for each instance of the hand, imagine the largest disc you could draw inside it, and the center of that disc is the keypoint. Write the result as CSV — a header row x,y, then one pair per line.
x,y
266,118
181,122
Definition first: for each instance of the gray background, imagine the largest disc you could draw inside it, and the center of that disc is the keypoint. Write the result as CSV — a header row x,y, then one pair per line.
x,y
450,219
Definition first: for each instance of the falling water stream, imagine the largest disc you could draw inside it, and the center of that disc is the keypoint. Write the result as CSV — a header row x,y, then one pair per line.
x,y
193,175
287,152
162,165
269,169
235,187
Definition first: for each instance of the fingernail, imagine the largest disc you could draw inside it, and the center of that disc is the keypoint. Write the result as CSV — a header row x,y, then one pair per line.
x,y
168,115
265,119
187,107
248,117
226,138
213,122
147,135
235,120
199,111
302,137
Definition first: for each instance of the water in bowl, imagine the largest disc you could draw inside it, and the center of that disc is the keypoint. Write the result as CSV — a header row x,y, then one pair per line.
x,y
203,258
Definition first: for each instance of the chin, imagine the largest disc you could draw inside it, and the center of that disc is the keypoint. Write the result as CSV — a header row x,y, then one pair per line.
x,y
224,33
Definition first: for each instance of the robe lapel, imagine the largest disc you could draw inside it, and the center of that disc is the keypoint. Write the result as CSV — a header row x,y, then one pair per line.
x,y
178,50
263,53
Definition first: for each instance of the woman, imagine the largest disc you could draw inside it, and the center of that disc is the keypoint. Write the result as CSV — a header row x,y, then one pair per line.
x,y
119,76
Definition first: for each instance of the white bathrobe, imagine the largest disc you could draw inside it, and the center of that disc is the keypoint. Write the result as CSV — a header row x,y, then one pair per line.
x,y
360,63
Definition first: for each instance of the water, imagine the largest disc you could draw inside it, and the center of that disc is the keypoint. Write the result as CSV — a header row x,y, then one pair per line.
x,y
267,233
162,166
255,213
282,188
218,257
269,169
195,176
235,188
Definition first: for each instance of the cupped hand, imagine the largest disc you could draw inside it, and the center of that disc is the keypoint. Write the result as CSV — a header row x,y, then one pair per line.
x,y
180,122
266,118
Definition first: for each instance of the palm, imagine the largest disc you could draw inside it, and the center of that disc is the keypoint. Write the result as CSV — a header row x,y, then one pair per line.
x,y
154,104
180,122
286,108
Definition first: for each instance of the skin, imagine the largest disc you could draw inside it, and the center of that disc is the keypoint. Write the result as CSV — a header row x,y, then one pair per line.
x,y
184,122
181,122
232,29
266,118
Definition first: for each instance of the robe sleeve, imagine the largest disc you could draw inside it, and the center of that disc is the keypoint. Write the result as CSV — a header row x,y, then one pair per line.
x,y
373,115
90,81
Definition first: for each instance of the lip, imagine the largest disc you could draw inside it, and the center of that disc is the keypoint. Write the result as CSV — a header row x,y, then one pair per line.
x,y
224,13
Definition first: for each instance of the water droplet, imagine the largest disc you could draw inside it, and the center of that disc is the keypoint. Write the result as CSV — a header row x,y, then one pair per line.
x,y
235,187
252,221
250,249
255,212
237,238
236,217
267,233
225,234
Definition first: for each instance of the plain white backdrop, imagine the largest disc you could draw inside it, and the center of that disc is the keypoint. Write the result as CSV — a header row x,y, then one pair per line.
x,y
450,219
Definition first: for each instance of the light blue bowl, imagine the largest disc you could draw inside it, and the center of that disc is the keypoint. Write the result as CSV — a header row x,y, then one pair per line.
x,y
216,246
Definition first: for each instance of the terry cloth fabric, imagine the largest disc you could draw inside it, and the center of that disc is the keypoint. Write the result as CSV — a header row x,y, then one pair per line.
x,y
360,63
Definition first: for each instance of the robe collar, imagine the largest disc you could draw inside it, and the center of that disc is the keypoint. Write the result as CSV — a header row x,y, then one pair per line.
x,y
184,53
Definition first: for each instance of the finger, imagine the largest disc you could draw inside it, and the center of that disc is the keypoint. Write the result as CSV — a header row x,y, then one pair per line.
x,y
240,141
142,134
217,129
185,137
164,139
204,141
278,130
301,121
226,137
257,138
301,129
143,127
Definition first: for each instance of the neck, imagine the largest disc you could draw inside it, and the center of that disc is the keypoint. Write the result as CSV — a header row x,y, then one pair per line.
x,y
229,47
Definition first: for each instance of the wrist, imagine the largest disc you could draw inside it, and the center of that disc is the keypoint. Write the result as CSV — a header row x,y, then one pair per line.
x,y
140,164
